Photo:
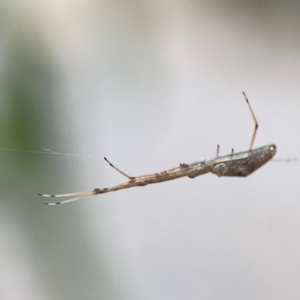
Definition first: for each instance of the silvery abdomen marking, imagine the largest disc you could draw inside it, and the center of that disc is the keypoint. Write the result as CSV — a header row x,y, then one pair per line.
x,y
244,163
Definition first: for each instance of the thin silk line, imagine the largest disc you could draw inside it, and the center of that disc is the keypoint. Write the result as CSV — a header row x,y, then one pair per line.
x,y
48,151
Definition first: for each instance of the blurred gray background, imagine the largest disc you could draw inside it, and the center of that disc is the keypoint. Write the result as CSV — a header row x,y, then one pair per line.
x,y
149,84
